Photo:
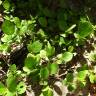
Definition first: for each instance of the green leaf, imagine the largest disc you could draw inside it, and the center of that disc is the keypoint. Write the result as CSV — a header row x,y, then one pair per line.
x,y
44,73
23,29
17,22
71,28
6,38
10,93
50,49
85,29
4,47
11,83
6,4
13,69
92,78
61,41
82,75
8,27
47,91
21,88
41,33
3,89
43,54
53,68
70,48
34,47
84,67
42,21
30,62
67,56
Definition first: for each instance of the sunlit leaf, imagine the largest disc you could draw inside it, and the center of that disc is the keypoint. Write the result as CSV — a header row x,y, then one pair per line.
x,y
21,88
0,2
50,49
82,75
6,38
10,93
70,48
30,62
53,68
67,56
43,54
6,4
47,91
3,89
92,78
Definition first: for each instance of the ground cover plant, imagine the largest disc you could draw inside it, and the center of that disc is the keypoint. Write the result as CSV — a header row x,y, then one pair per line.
x,y
45,43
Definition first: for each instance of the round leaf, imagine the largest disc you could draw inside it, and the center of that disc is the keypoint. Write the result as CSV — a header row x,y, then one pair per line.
x,y
30,62
21,88
8,27
67,56
82,75
35,47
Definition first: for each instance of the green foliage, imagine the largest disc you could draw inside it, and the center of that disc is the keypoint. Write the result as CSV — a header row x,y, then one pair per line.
x,y
47,91
85,29
30,63
2,89
11,83
53,68
8,27
6,4
35,47
43,40
49,49
44,73
82,75
21,88
67,56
